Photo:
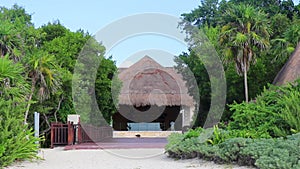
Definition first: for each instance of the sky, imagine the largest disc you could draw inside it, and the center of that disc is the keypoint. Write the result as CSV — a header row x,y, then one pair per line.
x,y
95,15
92,15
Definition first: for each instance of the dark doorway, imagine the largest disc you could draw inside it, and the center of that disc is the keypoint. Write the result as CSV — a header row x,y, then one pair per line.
x,y
170,114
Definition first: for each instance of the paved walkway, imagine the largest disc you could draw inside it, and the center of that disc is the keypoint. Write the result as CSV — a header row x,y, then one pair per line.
x,y
122,143
117,153
114,159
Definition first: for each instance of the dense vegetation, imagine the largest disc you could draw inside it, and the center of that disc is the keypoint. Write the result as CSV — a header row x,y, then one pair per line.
x,y
275,153
264,133
253,39
36,67
275,112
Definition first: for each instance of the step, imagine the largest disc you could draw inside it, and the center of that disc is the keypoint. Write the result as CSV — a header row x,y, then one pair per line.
x,y
146,134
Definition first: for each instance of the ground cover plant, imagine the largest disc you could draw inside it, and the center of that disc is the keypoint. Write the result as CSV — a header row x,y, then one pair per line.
x,y
272,153
263,133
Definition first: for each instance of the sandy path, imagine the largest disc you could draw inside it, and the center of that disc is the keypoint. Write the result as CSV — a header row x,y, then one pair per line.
x,y
114,159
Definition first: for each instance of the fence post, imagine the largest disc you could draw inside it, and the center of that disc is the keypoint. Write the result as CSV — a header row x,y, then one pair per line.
x,y
52,135
79,133
70,133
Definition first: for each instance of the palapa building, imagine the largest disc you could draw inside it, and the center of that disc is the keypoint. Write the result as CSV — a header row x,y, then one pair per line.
x,y
152,93
291,70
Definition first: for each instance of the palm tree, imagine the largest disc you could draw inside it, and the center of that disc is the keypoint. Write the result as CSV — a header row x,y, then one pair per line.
x,y
245,32
44,74
10,41
13,85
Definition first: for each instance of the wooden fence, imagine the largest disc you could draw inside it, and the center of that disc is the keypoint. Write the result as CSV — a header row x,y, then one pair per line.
x,y
69,134
90,133
59,134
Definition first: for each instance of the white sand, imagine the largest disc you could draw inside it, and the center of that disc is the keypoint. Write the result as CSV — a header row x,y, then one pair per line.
x,y
114,159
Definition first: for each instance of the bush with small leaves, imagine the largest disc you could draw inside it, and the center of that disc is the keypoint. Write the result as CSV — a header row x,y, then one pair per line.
x,y
273,153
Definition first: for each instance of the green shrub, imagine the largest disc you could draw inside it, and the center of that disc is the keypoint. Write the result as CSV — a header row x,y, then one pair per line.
x,y
211,136
295,137
230,149
274,153
216,135
16,140
276,112
252,117
177,148
290,111
263,153
184,148
248,134
207,152
193,133
174,140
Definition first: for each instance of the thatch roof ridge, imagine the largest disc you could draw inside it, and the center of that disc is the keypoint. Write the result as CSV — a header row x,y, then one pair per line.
x,y
144,63
291,70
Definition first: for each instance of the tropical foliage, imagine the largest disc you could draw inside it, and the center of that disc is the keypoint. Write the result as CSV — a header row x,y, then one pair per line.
x,y
277,104
253,39
36,71
276,153
16,139
257,37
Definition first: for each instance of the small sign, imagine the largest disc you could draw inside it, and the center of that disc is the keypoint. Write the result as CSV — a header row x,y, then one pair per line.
x,y
73,118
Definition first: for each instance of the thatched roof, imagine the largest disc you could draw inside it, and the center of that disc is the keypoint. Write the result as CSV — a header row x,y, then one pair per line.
x,y
148,83
291,70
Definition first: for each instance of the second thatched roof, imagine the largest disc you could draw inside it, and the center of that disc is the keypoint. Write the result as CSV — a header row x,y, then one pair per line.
x,y
291,70
148,83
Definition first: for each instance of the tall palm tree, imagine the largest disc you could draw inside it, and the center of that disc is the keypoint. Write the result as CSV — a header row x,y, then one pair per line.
x,y
44,74
245,32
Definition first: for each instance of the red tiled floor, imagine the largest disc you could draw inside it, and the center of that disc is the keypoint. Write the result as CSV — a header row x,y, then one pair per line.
x,y
122,143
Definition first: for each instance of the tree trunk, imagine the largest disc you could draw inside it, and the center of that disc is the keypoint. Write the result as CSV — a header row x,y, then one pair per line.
x,y
58,107
48,123
246,85
29,100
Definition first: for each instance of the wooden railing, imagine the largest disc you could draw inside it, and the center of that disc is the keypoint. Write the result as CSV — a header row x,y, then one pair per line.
x,y
90,133
59,134
69,134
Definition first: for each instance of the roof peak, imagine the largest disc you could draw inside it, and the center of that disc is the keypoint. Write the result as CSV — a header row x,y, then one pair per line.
x,y
145,62
146,57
